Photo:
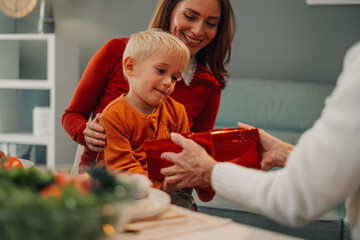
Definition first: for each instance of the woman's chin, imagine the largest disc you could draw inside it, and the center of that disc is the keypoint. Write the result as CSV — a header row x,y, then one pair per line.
x,y
193,50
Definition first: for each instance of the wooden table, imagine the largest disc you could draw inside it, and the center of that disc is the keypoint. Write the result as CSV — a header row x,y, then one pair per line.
x,y
183,224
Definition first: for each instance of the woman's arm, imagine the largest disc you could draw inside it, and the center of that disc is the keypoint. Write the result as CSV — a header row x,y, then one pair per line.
x,y
90,95
86,96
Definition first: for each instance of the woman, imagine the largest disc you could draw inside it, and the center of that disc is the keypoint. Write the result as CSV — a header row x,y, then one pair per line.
x,y
308,184
205,26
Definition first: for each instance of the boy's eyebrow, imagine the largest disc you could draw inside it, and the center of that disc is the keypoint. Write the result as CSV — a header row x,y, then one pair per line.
x,y
197,13
166,64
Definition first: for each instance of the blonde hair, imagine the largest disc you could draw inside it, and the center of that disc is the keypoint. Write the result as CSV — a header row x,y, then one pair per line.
x,y
143,44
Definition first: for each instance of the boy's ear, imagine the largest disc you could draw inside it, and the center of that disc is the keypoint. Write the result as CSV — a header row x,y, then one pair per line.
x,y
129,66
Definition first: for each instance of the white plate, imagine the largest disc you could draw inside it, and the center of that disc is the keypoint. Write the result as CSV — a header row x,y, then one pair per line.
x,y
26,163
157,202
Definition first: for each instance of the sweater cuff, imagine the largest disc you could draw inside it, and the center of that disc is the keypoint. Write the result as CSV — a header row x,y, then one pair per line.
x,y
220,178
228,180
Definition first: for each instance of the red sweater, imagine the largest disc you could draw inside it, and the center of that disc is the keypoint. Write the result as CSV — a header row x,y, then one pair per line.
x,y
103,81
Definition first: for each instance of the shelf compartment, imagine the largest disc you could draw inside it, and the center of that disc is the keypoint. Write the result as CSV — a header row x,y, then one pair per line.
x,y
23,58
17,107
31,152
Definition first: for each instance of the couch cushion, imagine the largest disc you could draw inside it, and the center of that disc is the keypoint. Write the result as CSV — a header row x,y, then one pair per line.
x,y
218,202
272,104
316,230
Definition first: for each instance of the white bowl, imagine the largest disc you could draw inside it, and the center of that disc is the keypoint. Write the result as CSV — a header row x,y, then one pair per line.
x,y
26,163
156,203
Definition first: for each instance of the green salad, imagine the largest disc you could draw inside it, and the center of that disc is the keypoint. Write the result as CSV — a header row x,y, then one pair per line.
x,y
36,204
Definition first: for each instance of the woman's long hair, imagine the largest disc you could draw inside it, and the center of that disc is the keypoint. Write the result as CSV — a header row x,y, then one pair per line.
x,y
217,53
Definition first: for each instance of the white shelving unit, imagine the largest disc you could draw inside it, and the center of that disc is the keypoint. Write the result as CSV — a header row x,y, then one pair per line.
x,y
59,83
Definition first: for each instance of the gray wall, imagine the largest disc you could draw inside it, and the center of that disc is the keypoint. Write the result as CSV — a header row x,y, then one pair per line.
x,y
275,39
288,39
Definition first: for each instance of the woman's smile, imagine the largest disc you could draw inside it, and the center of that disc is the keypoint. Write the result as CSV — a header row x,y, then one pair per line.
x,y
192,40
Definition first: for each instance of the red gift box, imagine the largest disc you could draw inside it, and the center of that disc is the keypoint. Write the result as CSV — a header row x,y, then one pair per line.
x,y
240,146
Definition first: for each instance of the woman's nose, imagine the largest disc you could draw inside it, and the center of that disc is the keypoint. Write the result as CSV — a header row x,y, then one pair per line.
x,y
198,29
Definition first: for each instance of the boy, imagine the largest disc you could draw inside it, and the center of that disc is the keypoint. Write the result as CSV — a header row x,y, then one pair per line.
x,y
152,63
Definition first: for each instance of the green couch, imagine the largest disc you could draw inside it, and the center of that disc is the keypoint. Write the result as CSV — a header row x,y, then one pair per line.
x,y
285,109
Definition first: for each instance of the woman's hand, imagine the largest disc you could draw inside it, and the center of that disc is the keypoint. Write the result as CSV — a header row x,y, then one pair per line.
x,y
192,167
274,152
95,135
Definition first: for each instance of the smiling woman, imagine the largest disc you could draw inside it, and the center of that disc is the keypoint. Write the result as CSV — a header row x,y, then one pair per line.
x,y
17,8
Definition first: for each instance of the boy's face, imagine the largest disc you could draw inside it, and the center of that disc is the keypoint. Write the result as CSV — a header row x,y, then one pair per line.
x,y
153,81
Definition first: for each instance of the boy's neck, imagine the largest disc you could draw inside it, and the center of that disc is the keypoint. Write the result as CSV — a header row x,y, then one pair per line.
x,y
146,109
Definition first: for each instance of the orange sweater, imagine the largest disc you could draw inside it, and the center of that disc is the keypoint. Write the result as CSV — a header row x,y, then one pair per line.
x,y
126,129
